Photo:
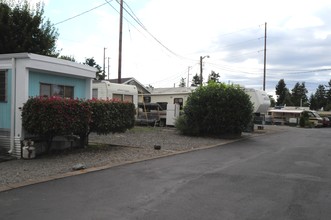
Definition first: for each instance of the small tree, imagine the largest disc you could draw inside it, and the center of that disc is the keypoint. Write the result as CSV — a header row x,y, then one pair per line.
x,y
196,80
182,82
214,77
100,75
216,109
272,101
304,119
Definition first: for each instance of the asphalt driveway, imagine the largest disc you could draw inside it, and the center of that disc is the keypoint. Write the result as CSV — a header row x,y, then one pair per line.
x,y
284,175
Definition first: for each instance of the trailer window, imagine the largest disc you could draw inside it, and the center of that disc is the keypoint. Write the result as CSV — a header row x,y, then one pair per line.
x,y
3,86
118,97
95,93
128,98
179,101
48,90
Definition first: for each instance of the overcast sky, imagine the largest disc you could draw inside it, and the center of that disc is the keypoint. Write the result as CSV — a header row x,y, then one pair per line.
x,y
173,34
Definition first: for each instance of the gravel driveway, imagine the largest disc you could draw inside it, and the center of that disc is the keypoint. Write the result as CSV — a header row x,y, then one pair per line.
x,y
104,151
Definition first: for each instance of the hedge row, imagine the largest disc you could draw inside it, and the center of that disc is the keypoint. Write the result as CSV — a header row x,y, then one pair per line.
x,y
55,116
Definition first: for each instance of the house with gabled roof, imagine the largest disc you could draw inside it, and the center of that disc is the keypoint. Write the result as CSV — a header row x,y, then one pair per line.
x,y
131,81
24,75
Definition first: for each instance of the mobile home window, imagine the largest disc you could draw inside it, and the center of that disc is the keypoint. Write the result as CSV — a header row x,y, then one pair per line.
x,y
118,97
95,93
179,101
47,90
3,86
128,98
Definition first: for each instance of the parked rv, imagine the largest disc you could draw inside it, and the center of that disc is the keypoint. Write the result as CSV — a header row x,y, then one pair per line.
x,y
291,115
102,89
153,114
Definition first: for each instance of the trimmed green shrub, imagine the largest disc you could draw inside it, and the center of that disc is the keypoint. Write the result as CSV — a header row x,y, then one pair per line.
x,y
110,116
216,110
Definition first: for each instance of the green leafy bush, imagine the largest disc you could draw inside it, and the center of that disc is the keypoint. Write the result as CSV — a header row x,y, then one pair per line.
x,y
110,116
216,109
304,119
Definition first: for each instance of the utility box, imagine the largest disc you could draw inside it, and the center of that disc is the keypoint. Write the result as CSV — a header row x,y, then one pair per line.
x,y
172,114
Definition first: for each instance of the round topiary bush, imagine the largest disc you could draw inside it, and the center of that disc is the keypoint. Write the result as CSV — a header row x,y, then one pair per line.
x,y
216,110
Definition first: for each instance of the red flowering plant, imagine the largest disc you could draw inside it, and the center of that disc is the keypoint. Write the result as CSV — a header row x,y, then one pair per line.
x,y
54,116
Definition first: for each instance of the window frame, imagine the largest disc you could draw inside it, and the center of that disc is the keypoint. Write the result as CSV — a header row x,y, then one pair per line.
x,y
62,90
4,83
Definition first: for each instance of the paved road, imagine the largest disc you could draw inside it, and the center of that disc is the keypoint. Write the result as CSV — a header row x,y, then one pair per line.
x,y
284,175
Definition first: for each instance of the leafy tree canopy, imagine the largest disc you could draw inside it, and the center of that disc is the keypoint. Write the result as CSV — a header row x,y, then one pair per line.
x,y
70,58
24,29
196,80
99,74
214,77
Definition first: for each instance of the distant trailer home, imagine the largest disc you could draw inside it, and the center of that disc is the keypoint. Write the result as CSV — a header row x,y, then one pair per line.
x,y
164,96
24,75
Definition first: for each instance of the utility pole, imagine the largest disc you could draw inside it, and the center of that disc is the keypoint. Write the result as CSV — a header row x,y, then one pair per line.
x,y
201,70
104,60
108,68
188,76
201,58
265,55
120,44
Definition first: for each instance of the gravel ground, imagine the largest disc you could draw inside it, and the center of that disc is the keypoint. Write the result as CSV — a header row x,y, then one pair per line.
x,y
104,151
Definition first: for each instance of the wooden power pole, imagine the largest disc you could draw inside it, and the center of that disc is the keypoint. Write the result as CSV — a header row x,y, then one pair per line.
x,y
265,55
120,44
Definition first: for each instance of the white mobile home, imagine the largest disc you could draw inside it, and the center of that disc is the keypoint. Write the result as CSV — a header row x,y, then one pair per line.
x,y
164,96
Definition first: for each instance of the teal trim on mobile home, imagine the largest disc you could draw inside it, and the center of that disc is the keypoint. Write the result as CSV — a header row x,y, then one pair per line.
x,y
35,78
5,107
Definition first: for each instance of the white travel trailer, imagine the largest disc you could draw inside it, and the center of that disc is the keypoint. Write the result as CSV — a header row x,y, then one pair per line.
x,y
260,100
102,89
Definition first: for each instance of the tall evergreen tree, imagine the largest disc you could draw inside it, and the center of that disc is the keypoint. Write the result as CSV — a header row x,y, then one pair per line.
x,y
24,29
313,102
182,82
299,95
282,93
196,80
320,96
328,92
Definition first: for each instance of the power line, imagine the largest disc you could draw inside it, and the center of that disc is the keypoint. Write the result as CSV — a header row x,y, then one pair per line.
x,y
135,18
304,71
85,12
